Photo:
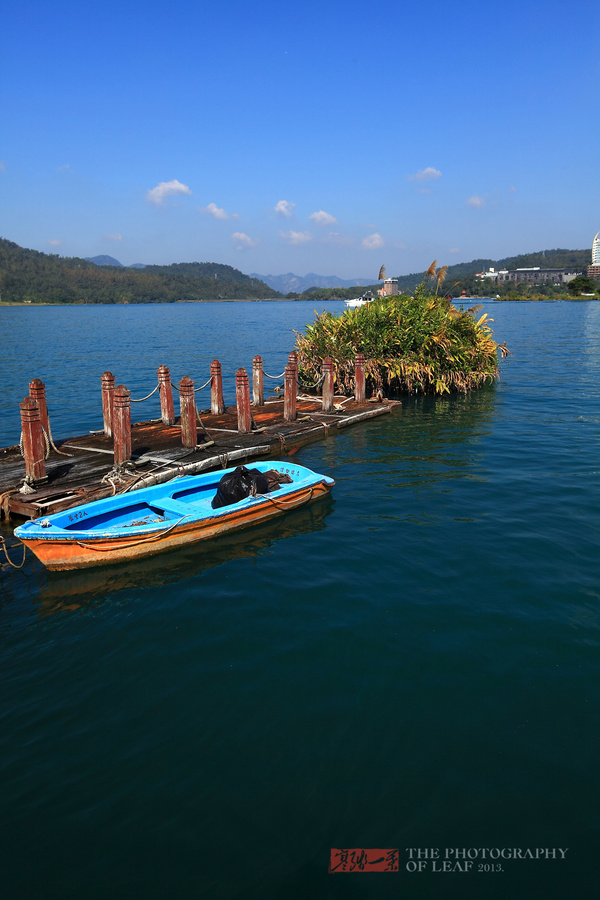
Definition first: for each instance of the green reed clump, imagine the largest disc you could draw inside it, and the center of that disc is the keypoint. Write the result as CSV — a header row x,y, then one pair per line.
x,y
411,344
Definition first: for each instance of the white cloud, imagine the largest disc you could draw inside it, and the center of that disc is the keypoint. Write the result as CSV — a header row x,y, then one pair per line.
x,y
64,168
242,241
112,237
322,218
476,202
285,208
428,174
373,241
296,237
55,242
513,189
215,211
166,189
2,166
454,250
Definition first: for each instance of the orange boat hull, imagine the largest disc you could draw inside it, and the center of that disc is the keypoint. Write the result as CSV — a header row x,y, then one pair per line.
x,y
74,554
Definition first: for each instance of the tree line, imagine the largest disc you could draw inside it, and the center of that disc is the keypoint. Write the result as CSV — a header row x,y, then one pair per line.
x,y
461,278
28,276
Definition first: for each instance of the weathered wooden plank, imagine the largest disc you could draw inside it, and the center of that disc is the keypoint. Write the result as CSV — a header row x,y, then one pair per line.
x,y
360,417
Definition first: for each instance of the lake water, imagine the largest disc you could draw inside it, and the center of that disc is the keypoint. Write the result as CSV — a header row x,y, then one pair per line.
x,y
411,664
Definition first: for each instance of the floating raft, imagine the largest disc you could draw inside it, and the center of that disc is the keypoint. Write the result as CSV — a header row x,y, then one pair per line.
x,y
157,454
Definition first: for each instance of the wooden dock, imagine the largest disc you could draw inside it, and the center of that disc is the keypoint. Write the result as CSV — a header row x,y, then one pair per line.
x,y
89,472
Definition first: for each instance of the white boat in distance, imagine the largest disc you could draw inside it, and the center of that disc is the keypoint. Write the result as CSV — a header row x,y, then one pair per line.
x,y
365,298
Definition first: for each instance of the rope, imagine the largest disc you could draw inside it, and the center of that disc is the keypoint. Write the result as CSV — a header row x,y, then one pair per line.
x,y
206,383
274,377
281,441
5,503
26,487
199,417
316,384
53,445
117,476
48,440
8,559
148,540
145,398
201,388
289,503
340,405
111,482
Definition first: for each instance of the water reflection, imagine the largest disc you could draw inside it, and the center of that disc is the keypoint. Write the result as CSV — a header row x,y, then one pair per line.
x,y
430,440
84,588
455,418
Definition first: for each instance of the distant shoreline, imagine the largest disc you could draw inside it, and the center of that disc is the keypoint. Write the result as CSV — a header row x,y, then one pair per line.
x,y
454,300
161,302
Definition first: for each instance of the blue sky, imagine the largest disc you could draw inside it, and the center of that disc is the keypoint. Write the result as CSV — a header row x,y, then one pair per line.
x,y
325,136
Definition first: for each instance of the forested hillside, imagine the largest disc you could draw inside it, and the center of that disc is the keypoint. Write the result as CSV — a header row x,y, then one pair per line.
x,y
461,277
27,275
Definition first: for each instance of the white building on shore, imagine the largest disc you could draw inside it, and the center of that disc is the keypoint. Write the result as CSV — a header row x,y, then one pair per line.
x,y
594,269
530,275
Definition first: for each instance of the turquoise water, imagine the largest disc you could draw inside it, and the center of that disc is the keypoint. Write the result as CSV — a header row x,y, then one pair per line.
x,y
412,663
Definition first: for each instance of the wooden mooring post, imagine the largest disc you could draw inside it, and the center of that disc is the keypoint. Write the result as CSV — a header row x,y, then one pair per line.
x,y
360,387
258,393
217,404
122,425
34,446
108,400
290,391
37,391
242,396
187,402
327,372
165,392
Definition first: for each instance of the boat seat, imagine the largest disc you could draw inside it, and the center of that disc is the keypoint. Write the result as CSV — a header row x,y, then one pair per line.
x,y
174,506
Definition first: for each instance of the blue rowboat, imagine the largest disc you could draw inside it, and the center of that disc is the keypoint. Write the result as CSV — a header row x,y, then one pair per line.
x,y
148,521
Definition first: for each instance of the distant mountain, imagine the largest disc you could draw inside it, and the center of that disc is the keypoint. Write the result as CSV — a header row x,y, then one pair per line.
x,y
33,277
111,261
103,261
289,283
